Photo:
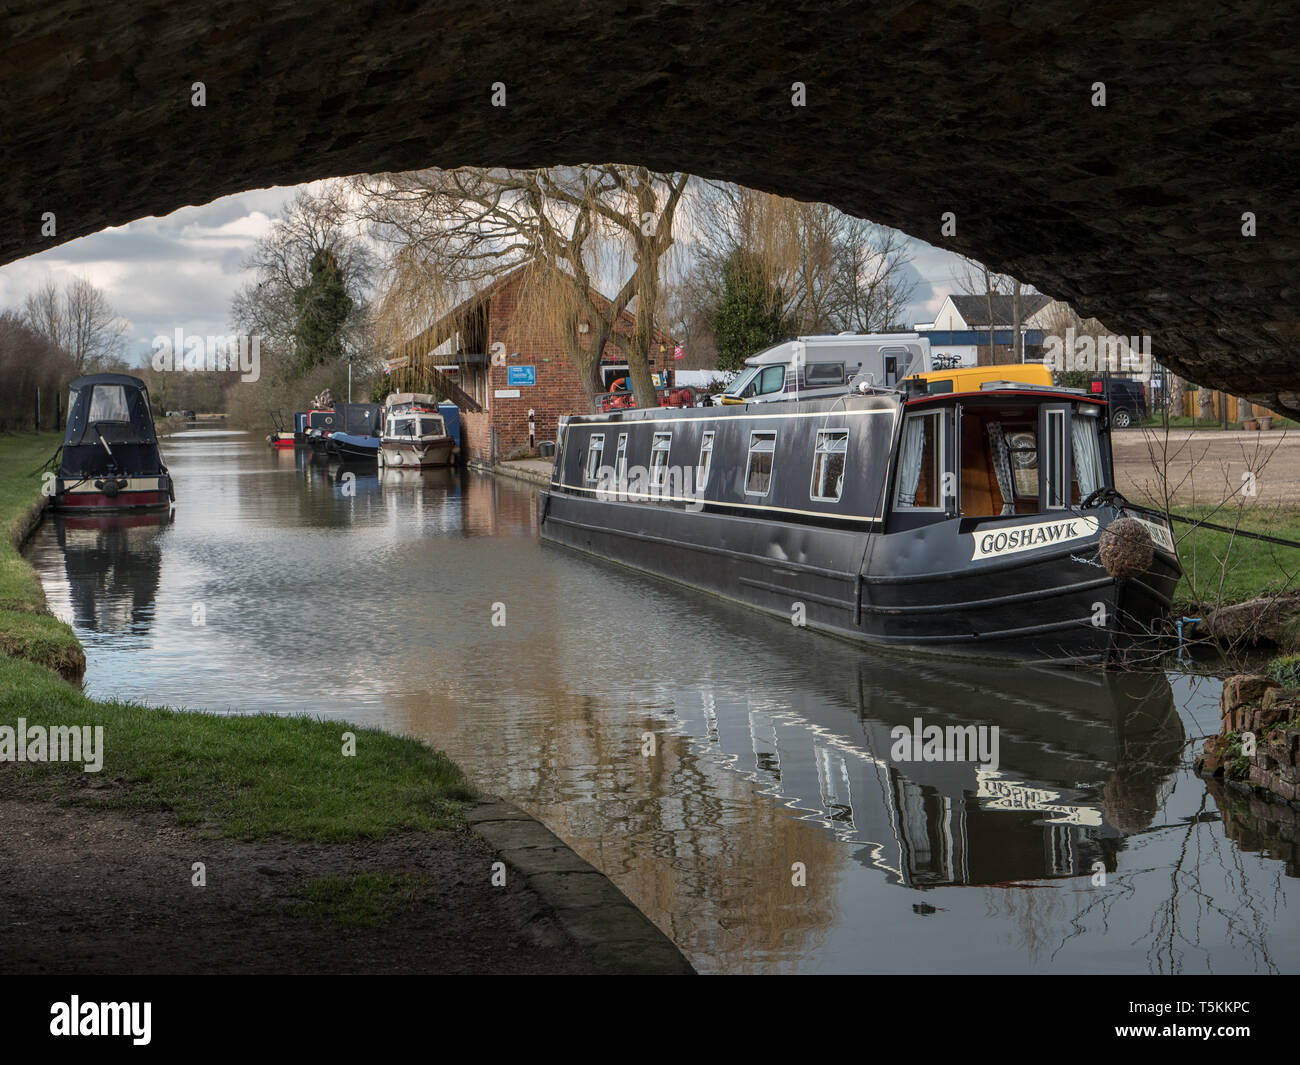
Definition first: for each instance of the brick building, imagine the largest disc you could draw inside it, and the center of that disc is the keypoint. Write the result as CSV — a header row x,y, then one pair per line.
x,y
505,358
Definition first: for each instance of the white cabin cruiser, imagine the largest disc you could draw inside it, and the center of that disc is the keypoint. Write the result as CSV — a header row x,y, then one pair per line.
x,y
414,432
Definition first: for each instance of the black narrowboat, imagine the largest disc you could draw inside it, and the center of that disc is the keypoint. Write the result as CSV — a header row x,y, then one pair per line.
x,y
110,458
970,522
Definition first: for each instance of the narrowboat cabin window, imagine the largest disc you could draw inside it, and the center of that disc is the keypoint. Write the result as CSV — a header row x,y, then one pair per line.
x,y
595,452
758,468
706,457
1054,460
620,459
663,442
108,404
828,464
920,462
1086,453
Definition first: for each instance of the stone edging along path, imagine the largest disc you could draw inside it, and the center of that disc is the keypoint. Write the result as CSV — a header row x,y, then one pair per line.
x,y
582,899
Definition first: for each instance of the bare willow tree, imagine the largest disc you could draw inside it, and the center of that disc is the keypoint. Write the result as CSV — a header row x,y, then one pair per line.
x,y
80,320
834,272
573,228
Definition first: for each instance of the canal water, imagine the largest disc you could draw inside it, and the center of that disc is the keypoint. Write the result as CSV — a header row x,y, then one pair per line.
x,y
741,780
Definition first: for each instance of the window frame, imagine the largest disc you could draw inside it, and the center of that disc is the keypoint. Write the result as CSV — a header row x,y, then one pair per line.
x,y
620,459
754,436
590,475
1046,464
763,372
705,467
811,380
112,395
657,481
941,451
818,452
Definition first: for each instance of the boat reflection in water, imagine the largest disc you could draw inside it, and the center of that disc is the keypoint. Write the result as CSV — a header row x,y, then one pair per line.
x,y
1083,759
114,565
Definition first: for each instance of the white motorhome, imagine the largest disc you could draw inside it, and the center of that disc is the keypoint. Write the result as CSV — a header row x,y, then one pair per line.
x,y
814,367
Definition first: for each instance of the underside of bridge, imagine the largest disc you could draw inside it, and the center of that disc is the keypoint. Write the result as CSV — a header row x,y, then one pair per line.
x,y
1132,210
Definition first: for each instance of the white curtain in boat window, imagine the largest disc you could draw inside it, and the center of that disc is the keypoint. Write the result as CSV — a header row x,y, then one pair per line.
x,y
1087,463
1002,466
910,459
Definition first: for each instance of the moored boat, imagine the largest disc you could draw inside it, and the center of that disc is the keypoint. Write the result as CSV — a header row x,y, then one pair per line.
x,y
355,447
963,522
110,458
279,437
414,432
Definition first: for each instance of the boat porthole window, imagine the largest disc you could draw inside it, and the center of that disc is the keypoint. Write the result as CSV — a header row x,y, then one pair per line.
x,y
620,459
659,450
828,464
758,468
595,452
706,458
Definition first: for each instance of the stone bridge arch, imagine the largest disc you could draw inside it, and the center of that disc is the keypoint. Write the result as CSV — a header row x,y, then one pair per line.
x,y
1133,210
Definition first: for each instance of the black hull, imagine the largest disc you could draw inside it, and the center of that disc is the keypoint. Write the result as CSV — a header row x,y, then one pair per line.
x,y
890,591
352,453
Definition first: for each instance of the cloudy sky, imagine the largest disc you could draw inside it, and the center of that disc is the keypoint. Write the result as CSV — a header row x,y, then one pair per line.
x,y
161,274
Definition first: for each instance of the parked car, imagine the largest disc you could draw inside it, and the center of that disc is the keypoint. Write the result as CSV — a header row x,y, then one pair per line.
x,y
1127,399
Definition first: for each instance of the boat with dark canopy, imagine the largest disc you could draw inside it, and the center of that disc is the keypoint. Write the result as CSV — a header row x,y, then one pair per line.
x,y
973,522
110,458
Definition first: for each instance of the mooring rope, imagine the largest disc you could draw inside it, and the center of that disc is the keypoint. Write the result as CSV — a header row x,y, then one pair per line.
x,y
1235,532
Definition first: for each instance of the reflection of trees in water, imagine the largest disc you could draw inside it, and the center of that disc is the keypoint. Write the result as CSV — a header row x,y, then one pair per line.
x,y
1185,905
1238,907
114,566
693,845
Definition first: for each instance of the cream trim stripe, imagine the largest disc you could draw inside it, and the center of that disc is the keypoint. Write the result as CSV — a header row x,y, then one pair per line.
x,y
637,496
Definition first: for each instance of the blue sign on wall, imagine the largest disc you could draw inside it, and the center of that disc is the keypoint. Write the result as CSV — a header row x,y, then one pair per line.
x,y
521,375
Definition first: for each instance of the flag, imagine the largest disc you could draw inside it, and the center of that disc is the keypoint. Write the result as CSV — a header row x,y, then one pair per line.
x,y
679,352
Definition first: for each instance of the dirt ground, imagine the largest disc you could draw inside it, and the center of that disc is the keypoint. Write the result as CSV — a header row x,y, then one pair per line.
x,y
85,890
1206,467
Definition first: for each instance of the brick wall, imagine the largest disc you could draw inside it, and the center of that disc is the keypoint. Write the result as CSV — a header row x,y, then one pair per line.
x,y
475,436
558,390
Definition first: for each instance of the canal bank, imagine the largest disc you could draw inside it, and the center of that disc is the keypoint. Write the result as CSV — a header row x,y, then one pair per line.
x,y
731,775
531,471
270,843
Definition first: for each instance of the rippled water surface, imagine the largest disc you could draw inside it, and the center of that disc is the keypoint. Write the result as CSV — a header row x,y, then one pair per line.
x,y
371,598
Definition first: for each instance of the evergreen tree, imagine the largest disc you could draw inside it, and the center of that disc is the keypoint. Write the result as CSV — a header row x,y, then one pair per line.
x,y
748,318
322,306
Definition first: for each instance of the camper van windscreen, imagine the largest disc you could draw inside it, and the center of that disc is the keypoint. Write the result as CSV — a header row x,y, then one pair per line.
x,y
738,385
